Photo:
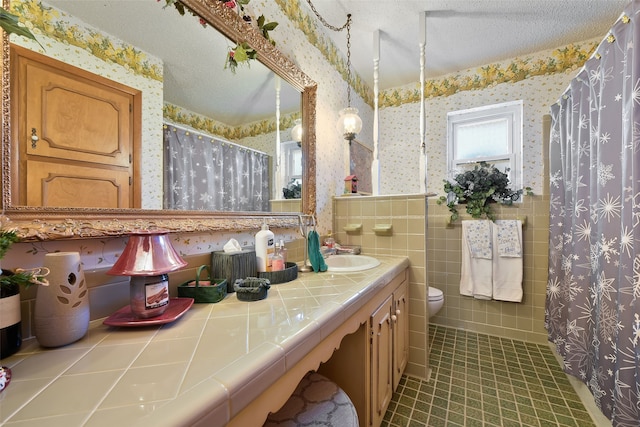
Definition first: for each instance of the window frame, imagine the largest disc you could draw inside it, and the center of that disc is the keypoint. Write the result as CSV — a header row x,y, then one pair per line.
x,y
513,112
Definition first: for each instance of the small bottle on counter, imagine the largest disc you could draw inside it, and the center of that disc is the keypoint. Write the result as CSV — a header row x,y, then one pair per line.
x,y
329,242
283,252
329,245
277,261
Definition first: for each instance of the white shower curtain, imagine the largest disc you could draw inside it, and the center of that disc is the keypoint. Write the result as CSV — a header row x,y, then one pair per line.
x,y
593,307
205,173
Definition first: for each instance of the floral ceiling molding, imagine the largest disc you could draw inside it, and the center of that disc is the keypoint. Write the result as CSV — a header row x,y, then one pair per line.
x,y
179,115
55,24
570,57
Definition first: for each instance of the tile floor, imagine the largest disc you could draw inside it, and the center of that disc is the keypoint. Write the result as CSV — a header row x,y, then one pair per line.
x,y
482,380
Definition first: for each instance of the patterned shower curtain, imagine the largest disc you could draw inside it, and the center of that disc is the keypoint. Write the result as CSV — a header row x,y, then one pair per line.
x,y
205,173
593,295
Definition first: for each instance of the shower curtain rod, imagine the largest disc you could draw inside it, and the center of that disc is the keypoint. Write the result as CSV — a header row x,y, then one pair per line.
x,y
595,53
206,135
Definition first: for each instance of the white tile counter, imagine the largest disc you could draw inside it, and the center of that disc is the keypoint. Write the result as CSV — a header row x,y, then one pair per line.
x,y
202,369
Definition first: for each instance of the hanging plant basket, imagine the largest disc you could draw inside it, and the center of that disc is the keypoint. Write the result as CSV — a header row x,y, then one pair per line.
x,y
478,189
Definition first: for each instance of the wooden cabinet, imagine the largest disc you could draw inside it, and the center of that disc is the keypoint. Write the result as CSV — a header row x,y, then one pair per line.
x,y
375,355
400,332
76,135
381,351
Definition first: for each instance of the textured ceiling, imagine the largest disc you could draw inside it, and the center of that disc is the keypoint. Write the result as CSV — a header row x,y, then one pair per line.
x,y
461,34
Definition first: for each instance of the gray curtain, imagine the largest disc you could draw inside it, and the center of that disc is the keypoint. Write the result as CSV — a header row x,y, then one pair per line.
x,y
592,304
206,173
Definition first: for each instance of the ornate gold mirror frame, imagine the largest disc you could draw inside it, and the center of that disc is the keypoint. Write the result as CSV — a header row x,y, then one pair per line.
x,y
36,223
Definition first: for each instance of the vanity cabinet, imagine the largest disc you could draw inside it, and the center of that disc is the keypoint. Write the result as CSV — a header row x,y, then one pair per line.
x,y
375,355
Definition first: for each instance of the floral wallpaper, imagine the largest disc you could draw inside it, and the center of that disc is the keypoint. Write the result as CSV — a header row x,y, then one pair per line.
x,y
45,20
400,143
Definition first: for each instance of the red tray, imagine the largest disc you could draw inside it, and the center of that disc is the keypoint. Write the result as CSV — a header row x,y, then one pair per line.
x,y
124,316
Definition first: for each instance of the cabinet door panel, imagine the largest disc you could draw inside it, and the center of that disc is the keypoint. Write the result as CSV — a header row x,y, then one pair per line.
x,y
400,333
75,118
381,361
60,185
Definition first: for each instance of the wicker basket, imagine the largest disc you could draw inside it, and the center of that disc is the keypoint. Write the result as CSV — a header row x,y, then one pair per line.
x,y
251,288
289,273
207,290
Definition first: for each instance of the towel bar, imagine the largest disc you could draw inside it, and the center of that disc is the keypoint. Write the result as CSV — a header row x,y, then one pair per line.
x,y
523,220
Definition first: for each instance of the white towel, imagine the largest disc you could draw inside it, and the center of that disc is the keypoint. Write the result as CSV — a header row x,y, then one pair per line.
x,y
478,238
507,264
476,272
508,238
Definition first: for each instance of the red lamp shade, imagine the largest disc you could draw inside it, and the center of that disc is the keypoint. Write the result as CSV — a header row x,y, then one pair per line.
x,y
148,253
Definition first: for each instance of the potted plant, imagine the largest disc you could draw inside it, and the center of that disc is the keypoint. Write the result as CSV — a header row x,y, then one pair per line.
x,y
478,188
10,282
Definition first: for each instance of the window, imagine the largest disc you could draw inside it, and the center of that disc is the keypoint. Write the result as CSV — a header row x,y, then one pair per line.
x,y
492,133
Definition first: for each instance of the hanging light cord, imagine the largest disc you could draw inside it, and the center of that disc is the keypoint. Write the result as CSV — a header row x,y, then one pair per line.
x,y
346,25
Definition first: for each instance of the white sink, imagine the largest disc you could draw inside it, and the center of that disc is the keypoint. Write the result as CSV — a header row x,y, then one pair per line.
x,y
349,263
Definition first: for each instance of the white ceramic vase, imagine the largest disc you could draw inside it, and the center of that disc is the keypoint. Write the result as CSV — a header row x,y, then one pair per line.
x,y
62,308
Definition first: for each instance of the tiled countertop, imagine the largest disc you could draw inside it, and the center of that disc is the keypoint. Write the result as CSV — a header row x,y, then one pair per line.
x,y
214,360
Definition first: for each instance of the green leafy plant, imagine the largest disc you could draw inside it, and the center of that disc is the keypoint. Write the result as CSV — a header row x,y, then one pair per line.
x,y
478,188
293,190
241,53
10,279
11,24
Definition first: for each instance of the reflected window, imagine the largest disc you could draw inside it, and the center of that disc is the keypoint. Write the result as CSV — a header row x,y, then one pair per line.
x,y
292,161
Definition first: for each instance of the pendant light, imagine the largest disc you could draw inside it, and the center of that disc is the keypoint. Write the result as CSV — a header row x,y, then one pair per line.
x,y
349,123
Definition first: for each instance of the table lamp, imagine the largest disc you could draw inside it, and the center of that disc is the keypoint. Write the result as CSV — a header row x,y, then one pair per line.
x,y
147,258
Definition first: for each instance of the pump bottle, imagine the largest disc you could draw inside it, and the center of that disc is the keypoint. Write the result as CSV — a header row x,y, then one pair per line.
x,y
265,247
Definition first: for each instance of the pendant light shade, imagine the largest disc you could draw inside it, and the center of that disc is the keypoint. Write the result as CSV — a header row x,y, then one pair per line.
x,y
349,123
296,131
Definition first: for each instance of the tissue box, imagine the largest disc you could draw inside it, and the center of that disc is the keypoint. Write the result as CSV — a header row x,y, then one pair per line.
x,y
233,266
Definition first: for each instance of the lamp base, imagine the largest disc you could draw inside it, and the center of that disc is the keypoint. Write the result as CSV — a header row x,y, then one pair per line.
x,y
149,295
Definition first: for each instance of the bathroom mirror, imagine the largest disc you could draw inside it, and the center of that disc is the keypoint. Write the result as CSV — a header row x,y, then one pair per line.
x,y
53,223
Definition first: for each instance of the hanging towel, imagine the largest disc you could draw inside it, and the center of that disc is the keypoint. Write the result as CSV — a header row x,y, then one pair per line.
x,y
479,239
476,271
507,264
315,256
508,238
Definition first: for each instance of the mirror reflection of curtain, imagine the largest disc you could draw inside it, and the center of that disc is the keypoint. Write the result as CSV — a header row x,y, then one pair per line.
x,y
593,294
207,173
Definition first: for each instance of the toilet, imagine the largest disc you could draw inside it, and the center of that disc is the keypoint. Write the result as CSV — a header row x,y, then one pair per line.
x,y
436,300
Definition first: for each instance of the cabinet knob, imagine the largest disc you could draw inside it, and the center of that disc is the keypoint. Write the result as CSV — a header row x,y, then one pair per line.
x,y
34,138
398,312
394,318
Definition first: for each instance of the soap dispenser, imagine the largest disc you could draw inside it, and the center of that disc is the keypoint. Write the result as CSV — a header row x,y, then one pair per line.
x,y
265,247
